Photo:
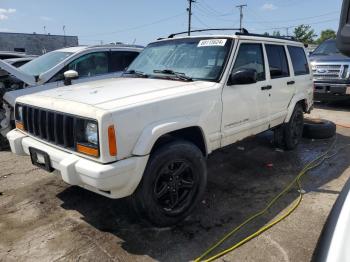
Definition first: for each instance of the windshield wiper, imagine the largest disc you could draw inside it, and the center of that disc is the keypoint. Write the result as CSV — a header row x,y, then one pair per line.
x,y
179,75
137,73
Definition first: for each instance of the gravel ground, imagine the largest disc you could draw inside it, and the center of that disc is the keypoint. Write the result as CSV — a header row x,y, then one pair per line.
x,y
44,219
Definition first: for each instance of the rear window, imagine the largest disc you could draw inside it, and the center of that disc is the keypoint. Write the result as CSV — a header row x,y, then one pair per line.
x,y
278,62
299,61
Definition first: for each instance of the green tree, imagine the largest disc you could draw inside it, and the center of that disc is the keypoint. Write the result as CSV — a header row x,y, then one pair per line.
x,y
325,35
276,33
305,34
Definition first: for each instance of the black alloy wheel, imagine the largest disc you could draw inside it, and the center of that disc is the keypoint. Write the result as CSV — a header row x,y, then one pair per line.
x,y
173,183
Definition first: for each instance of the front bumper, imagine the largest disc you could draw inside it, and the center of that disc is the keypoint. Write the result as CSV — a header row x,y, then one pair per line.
x,y
115,180
331,91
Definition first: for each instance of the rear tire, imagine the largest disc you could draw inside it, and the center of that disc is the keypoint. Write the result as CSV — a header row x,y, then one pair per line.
x,y
294,128
173,183
288,135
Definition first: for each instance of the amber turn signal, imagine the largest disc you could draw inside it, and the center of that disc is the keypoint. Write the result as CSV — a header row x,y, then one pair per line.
x,y
19,125
87,150
112,141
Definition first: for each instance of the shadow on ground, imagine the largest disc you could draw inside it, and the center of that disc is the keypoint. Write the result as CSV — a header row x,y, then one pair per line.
x,y
241,180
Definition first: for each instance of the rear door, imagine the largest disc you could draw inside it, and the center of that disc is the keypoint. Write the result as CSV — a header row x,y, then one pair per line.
x,y
281,80
301,68
246,107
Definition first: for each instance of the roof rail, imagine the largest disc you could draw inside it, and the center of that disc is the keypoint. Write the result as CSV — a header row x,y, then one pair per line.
x,y
242,30
117,45
291,38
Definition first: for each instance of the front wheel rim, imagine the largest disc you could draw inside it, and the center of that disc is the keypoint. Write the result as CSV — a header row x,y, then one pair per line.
x,y
175,186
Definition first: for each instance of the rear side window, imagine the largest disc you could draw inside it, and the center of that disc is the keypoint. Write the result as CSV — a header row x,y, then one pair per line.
x,y
121,60
299,61
250,56
278,62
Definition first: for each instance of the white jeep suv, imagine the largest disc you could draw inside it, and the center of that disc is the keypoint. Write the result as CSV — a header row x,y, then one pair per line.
x,y
147,135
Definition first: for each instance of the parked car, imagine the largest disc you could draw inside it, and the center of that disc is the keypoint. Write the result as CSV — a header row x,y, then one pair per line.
x,y
331,71
47,72
11,54
333,242
5,78
147,135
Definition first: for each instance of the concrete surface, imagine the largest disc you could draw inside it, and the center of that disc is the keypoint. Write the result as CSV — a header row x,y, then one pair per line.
x,y
43,219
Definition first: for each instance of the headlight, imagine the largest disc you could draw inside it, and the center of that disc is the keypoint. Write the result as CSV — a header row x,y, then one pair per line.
x,y
19,113
91,133
87,137
19,117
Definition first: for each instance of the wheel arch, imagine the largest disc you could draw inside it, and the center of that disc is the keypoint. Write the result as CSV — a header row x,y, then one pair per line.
x,y
300,99
157,134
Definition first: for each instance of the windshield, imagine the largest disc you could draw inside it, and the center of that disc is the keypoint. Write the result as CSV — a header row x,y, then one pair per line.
x,y
44,63
326,48
195,58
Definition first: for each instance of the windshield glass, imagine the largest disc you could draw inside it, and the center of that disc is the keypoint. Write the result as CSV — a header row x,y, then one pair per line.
x,y
196,58
326,48
44,63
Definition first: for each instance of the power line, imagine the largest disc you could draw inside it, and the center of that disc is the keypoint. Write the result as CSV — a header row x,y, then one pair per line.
x,y
200,21
136,27
294,20
293,26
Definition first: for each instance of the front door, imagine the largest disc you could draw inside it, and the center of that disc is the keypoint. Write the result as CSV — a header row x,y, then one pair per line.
x,y
246,107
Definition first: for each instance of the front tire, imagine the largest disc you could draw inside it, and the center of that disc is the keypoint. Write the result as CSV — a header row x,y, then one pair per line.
x,y
172,185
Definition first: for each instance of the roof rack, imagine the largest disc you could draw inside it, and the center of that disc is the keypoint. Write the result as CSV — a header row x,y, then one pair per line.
x,y
291,38
242,30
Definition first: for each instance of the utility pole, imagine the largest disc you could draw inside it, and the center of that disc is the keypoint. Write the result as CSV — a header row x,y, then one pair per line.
x,y
64,35
241,16
189,10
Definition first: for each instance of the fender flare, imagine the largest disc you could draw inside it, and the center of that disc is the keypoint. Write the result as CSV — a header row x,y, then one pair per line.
x,y
151,133
296,99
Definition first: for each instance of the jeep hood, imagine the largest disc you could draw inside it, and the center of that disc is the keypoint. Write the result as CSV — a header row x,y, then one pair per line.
x,y
10,97
117,92
28,79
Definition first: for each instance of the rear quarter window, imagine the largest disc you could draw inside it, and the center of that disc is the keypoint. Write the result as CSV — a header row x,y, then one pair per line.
x,y
299,61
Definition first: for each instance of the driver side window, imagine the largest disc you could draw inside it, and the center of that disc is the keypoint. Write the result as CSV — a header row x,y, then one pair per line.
x,y
91,64
250,56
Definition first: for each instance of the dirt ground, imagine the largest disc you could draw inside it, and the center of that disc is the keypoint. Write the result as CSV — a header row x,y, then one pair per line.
x,y
44,219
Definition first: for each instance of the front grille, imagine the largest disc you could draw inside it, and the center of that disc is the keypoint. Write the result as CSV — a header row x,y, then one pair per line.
x,y
54,127
330,72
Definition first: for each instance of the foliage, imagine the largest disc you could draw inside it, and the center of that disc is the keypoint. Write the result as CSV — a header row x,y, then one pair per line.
x,y
325,35
305,34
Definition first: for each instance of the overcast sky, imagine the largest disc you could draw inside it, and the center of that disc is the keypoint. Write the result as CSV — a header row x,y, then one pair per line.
x,y
142,21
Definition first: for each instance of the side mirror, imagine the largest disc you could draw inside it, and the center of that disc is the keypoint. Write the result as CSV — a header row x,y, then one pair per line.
x,y
69,76
243,77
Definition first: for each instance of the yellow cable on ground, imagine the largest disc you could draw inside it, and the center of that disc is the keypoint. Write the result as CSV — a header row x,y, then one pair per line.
x,y
311,165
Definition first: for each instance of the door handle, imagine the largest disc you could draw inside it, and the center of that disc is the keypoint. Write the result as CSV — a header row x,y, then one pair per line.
x,y
291,83
266,87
